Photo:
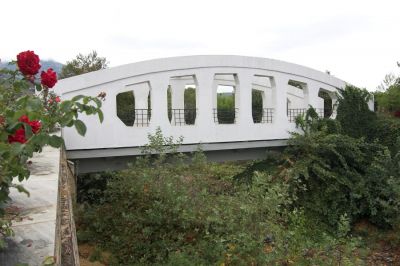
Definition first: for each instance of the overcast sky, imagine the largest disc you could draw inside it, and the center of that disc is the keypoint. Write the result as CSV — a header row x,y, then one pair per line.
x,y
358,41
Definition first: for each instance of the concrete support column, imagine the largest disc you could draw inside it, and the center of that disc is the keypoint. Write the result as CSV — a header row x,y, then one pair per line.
x,y
244,81
311,96
279,97
178,100
204,96
109,108
159,102
178,93
334,104
141,93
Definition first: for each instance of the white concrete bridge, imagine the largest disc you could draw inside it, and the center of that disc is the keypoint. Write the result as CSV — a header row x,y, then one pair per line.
x,y
145,95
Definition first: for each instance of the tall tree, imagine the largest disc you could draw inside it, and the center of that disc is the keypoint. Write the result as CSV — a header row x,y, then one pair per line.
x,y
83,64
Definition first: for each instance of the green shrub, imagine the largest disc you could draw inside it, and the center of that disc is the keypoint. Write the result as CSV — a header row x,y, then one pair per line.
x,y
162,211
90,187
386,131
333,175
154,216
353,113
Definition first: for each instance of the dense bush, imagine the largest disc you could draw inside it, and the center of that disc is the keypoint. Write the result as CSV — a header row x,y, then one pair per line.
x,y
165,213
90,187
386,131
333,174
296,208
353,113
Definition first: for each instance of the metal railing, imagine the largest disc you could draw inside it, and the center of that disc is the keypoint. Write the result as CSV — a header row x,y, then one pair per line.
x,y
264,115
187,116
180,117
324,112
135,117
225,116
142,117
293,113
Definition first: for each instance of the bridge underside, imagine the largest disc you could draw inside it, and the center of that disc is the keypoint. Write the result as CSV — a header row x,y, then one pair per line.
x,y
99,160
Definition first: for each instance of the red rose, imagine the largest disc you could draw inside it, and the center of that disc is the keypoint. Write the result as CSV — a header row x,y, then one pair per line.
x,y
49,78
35,124
24,119
58,99
19,136
28,63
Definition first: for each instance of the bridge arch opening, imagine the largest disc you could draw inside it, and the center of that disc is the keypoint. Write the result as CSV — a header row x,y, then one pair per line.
x,y
326,109
182,100
190,104
296,99
225,111
169,103
134,105
262,95
126,107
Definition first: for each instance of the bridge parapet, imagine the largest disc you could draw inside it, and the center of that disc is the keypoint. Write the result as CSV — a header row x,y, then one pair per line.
x,y
159,86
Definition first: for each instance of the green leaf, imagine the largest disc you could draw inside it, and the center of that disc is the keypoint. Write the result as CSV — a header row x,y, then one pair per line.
x,y
38,87
66,106
17,148
77,98
20,189
97,101
28,131
55,141
15,126
3,148
80,127
39,139
101,116
66,120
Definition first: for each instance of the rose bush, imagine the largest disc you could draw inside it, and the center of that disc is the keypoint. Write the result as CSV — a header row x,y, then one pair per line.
x,y
27,120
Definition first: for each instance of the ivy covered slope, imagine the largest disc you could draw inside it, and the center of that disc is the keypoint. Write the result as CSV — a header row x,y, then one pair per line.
x,y
29,111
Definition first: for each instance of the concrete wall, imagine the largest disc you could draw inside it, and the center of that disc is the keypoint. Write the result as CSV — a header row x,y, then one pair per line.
x,y
157,75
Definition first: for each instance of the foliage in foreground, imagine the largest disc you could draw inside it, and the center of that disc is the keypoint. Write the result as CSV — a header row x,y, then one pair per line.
x,y
165,212
333,174
29,111
297,209
353,112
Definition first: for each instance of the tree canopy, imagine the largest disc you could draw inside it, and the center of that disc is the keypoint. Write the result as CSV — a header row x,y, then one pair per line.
x,y
83,64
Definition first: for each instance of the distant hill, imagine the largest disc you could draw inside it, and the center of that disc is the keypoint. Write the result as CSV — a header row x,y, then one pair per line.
x,y
56,66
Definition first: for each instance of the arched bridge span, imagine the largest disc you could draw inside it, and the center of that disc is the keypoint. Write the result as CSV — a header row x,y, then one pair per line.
x,y
146,95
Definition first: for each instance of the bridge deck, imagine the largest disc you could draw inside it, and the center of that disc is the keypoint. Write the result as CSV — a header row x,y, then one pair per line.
x,y
96,160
